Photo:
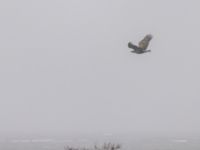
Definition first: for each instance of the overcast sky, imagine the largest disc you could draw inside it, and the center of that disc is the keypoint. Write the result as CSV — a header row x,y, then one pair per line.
x,y
65,66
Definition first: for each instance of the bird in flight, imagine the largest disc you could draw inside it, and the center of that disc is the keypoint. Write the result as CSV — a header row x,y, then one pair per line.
x,y
142,45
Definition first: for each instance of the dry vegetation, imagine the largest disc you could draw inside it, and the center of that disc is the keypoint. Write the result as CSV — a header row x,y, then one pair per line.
x,y
105,146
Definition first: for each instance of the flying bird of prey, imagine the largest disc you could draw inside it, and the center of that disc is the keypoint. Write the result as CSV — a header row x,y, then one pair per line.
x,y
142,45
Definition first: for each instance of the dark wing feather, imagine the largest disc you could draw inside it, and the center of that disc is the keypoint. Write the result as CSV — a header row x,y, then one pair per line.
x,y
130,45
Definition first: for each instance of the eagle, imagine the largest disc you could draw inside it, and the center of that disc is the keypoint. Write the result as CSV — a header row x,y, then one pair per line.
x,y
142,45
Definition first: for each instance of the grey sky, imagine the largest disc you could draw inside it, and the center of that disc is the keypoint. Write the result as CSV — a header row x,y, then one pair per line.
x,y
65,66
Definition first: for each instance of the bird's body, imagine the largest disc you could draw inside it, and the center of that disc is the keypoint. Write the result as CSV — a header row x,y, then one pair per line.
x,y
142,45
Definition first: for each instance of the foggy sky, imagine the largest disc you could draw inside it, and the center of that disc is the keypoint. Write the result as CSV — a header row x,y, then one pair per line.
x,y
65,66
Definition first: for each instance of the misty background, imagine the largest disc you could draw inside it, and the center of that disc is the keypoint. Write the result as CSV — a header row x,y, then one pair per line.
x,y
65,67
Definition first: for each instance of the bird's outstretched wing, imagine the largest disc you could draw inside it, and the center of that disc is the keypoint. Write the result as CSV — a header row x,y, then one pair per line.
x,y
144,43
130,45
135,48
